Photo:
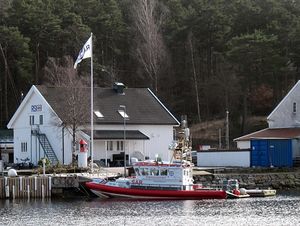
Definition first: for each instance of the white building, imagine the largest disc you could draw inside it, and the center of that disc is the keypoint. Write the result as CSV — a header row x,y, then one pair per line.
x,y
39,131
279,144
283,121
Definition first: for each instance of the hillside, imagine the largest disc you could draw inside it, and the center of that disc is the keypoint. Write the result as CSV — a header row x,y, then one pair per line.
x,y
208,132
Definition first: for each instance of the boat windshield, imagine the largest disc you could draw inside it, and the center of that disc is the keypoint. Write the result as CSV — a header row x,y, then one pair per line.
x,y
163,172
154,172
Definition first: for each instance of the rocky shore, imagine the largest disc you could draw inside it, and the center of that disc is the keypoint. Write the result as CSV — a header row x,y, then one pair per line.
x,y
250,180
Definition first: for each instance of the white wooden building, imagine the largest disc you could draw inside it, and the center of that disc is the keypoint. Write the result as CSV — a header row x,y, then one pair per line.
x,y
39,131
279,144
283,121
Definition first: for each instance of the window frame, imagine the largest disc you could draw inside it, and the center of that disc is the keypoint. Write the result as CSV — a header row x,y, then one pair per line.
x,y
31,120
41,119
294,107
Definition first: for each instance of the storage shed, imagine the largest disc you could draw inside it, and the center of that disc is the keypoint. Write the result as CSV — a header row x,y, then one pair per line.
x,y
272,147
271,152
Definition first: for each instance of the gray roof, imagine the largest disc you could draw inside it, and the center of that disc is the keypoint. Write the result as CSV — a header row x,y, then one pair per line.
x,y
142,106
118,135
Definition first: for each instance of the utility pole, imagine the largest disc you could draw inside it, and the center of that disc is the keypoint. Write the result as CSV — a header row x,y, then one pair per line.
x,y
227,129
220,138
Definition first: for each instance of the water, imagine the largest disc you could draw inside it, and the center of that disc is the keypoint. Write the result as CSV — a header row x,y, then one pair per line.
x,y
280,210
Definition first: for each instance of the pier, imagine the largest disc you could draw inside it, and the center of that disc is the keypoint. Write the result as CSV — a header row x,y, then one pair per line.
x,y
25,187
46,186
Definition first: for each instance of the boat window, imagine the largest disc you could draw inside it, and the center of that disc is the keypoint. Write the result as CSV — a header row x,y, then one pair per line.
x,y
137,171
154,172
171,173
163,172
146,171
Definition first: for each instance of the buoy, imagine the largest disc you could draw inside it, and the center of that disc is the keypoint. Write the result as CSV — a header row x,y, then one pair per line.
x,y
236,192
12,173
243,191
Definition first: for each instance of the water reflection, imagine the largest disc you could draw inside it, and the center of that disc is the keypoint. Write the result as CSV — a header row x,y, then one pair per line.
x,y
280,210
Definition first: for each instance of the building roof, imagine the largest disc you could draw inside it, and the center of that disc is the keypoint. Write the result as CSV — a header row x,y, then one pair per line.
x,y
268,133
142,106
118,135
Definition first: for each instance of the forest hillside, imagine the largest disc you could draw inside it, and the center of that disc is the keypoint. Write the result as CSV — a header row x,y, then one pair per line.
x,y
201,58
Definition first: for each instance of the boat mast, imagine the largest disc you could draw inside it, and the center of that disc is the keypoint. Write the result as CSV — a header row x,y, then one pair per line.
x,y
183,148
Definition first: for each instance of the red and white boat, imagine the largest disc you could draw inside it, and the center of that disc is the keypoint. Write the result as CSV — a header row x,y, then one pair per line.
x,y
156,180
160,180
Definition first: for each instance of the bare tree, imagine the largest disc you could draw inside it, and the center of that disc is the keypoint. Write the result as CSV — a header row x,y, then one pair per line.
x,y
150,50
74,109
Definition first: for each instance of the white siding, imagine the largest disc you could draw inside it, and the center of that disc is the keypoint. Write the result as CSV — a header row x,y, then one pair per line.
x,y
160,137
225,158
22,132
283,115
245,144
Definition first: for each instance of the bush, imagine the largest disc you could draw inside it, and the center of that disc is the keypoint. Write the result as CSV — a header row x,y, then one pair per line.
x,y
40,162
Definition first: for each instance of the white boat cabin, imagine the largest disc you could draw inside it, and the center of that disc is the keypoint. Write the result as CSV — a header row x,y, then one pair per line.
x,y
154,175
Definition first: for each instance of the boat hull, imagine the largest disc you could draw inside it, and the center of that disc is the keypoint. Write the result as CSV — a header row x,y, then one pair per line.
x,y
103,190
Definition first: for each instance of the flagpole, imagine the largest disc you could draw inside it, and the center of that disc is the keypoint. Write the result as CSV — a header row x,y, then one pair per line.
x,y
92,107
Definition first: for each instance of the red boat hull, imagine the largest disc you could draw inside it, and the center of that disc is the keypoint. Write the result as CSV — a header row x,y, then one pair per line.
x,y
112,191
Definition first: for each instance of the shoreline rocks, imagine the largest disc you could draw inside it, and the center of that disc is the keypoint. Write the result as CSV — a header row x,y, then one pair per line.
x,y
280,181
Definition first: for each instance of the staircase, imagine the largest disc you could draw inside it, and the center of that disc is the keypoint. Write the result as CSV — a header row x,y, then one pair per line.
x,y
49,152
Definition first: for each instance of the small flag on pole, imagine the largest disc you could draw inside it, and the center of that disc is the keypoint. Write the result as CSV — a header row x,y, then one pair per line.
x,y
85,52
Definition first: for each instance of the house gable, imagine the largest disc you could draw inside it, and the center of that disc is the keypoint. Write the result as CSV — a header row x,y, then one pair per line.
x,y
287,112
33,103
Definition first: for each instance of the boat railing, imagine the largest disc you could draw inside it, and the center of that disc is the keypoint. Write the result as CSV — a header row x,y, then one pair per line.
x,y
177,187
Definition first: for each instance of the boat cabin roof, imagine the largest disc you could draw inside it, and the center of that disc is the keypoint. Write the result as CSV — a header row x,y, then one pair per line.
x,y
161,164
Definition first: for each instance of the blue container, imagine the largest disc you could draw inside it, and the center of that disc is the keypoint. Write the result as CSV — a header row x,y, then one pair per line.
x,y
268,153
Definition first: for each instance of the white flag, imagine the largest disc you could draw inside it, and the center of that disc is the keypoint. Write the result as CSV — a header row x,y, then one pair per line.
x,y
85,52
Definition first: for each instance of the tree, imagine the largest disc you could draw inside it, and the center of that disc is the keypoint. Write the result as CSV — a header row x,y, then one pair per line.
x,y
150,50
16,63
74,97
257,59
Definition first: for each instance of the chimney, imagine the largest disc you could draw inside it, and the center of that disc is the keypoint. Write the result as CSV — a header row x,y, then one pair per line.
x,y
118,87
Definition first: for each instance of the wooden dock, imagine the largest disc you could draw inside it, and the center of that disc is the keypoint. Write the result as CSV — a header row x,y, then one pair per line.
x,y
25,187
39,186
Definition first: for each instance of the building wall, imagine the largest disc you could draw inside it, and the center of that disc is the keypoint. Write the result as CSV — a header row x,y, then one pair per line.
x,y
283,116
35,107
223,158
160,137
243,144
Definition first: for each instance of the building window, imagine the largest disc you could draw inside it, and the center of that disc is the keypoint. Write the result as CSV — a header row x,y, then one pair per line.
x,y
294,108
110,146
23,146
123,114
31,120
120,145
41,120
98,114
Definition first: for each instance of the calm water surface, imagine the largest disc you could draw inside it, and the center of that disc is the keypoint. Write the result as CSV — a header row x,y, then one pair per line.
x,y
284,209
